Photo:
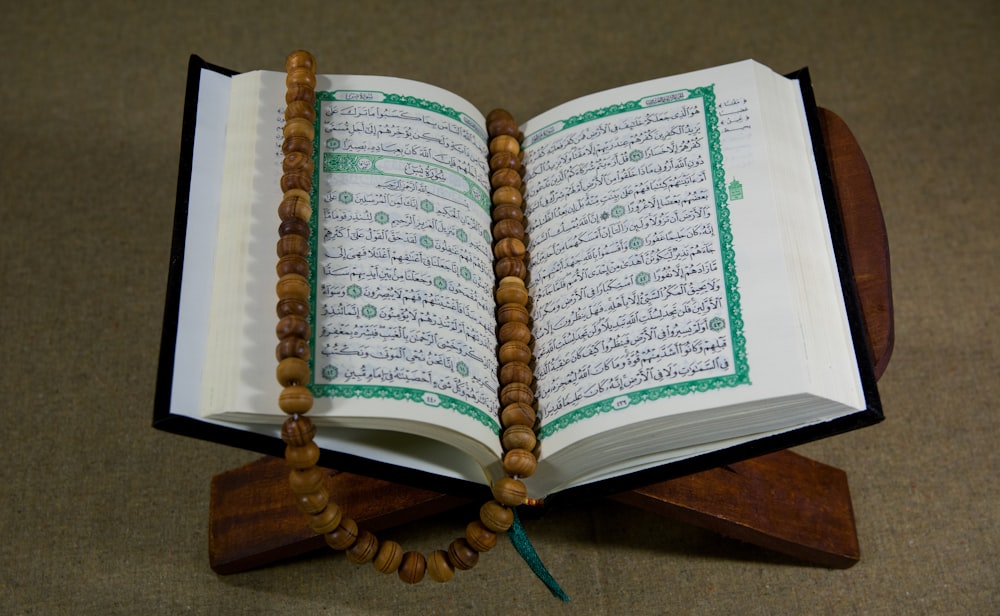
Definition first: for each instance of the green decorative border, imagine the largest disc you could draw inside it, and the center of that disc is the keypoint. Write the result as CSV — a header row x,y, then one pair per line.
x,y
740,361
389,98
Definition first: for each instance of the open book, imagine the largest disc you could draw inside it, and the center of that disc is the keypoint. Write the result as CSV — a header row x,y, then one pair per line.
x,y
690,305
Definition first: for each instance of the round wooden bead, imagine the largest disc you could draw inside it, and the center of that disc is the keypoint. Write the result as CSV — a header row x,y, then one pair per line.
x,y
518,414
461,554
293,285
292,245
513,313
326,520
507,210
412,568
514,350
290,305
519,463
292,326
505,160
300,58
496,517
511,266
294,226
300,93
306,481
509,491
507,194
300,76
297,143
300,109
497,113
295,204
506,178
519,436
299,127
511,332
293,264
439,567
514,393
297,431
296,179
388,557
364,549
343,536
313,502
292,371
480,538
507,227
514,372
511,290
295,399
503,126
502,143
509,247
303,456
292,347
297,162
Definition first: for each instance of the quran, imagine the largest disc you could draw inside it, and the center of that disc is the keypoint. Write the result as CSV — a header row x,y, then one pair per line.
x,y
691,301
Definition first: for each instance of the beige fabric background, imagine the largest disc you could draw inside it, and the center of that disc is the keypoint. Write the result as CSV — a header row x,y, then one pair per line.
x,y
101,514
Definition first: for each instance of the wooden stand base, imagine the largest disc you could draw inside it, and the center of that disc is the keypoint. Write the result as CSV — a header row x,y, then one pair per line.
x,y
783,501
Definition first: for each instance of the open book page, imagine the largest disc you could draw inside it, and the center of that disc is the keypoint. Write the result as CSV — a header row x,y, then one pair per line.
x,y
402,323
659,274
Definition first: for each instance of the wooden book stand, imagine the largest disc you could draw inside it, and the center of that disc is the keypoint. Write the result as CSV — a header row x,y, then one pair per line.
x,y
782,501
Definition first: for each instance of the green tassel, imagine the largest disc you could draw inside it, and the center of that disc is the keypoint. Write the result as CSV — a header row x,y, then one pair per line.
x,y
523,546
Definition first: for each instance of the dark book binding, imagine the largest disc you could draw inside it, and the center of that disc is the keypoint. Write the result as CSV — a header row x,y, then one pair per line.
x,y
266,444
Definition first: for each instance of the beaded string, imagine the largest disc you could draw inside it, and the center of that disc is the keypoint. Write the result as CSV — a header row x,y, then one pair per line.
x,y
518,417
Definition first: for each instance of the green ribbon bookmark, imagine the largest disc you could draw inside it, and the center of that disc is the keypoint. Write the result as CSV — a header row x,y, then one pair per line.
x,y
523,546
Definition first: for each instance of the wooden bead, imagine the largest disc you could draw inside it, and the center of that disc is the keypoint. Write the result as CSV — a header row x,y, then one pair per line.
x,y
439,567
511,266
514,372
507,194
519,463
306,481
299,127
292,347
461,555
513,313
292,245
507,228
505,160
517,414
412,568
511,332
295,399
519,437
509,491
297,143
297,431
511,290
293,285
364,549
290,305
313,502
300,58
480,538
293,207
292,371
303,456
503,126
292,326
326,520
300,93
300,109
300,76
502,143
507,210
388,557
506,178
509,247
514,350
514,393
497,113
496,517
343,536
294,226
297,161
296,179
293,264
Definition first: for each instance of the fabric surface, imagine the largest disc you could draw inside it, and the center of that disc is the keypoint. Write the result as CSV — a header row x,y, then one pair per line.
x,y
103,515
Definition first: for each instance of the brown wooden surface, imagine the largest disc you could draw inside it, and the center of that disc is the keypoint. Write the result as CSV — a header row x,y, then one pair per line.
x,y
783,501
